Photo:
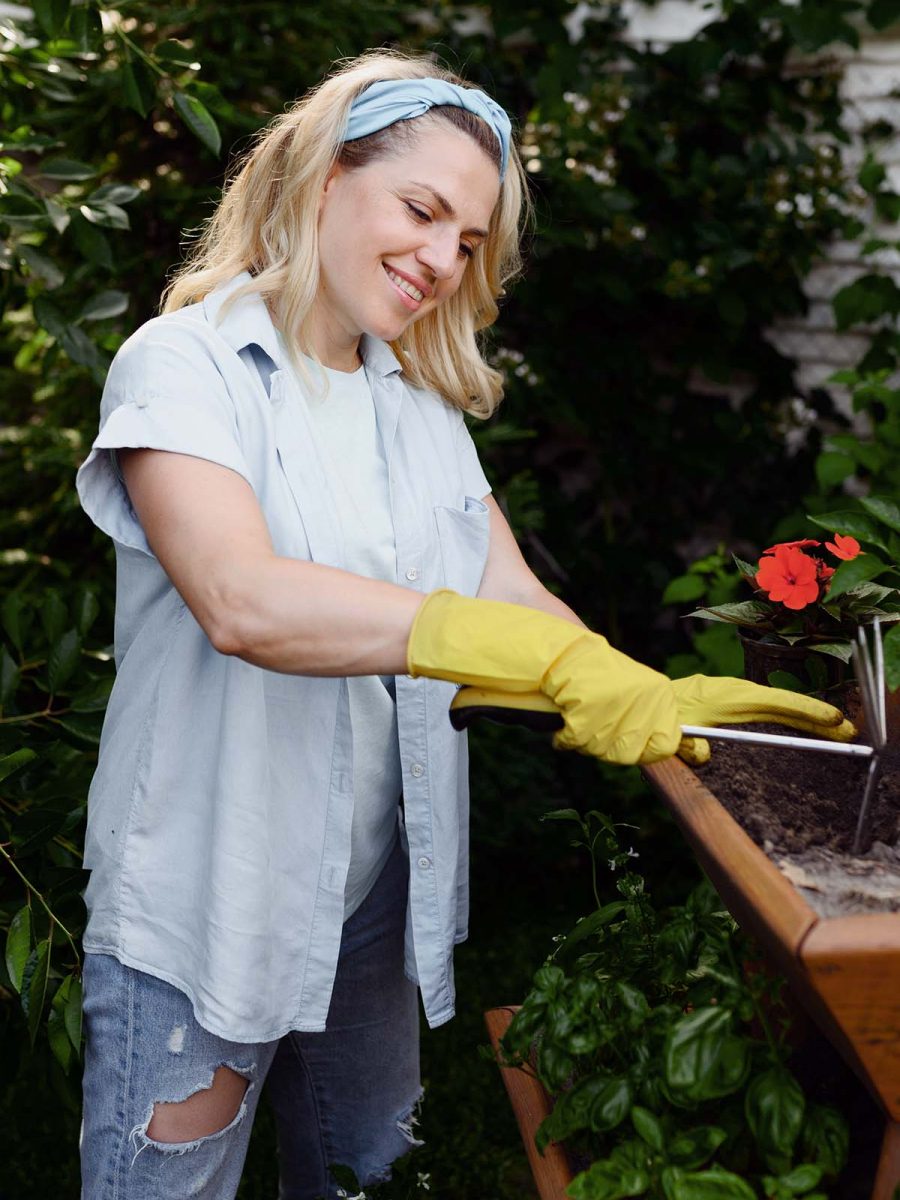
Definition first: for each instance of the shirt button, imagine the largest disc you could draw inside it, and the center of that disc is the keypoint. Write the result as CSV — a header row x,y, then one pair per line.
x,y
412,574
424,863
141,401
417,770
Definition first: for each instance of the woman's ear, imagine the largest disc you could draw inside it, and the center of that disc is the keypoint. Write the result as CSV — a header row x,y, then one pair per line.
x,y
334,174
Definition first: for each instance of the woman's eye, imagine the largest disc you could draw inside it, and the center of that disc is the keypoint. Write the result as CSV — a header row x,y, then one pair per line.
x,y
465,251
418,213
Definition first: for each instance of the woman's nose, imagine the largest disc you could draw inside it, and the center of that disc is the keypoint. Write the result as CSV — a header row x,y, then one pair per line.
x,y
440,254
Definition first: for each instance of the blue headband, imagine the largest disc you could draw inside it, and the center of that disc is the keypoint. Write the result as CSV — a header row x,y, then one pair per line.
x,y
390,100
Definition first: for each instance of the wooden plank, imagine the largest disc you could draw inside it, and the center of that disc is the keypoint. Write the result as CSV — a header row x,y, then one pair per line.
x,y
531,1104
854,965
759,896
887,1181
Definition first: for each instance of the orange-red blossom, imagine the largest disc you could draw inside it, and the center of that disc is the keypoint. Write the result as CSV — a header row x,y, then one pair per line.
x,y
844,547
789,576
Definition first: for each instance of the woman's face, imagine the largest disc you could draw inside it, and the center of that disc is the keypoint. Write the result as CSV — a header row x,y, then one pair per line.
x,y
395,237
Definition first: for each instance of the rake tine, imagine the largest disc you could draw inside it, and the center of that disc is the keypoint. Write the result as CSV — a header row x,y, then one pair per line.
x,y
862,663
879,682
861,837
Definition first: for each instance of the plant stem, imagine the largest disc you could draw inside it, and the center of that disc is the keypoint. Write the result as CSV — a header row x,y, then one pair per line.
x,y
54,919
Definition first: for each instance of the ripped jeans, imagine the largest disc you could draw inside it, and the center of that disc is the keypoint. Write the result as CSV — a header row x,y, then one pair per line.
x,y
347,1095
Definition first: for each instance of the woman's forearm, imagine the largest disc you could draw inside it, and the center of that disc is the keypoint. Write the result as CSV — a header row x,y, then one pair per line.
x,y
305,618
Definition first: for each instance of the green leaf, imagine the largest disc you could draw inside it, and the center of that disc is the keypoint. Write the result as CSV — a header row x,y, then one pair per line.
x,y
57,1035
93,697
50,316
562,814
684,588
833,468
713,1184
854,572
852,524
80,348
774,1104
18,946
68,169
692,1147
35,979
42,267
825,1138
9,676
103,305
802,1178
86,609
621,1175
785,680
892,658
15,761
175,53
841,650
92,243
83,726
648,1128
11,616
73,1015
883,509
744,612
703,1058
54,615
596,920
63,659
51,15
107,213
114,193
199,121
59,216
86,28
138,86
866,300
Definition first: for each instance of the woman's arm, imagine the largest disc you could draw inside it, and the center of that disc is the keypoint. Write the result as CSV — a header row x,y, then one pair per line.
x,y
205,526
508,576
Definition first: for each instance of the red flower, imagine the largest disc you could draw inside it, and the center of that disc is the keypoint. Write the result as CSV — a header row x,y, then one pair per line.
x,y
845,547
791,545
788,576
824,572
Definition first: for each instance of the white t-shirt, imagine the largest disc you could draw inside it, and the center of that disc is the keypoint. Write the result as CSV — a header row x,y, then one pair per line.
x,y
343,415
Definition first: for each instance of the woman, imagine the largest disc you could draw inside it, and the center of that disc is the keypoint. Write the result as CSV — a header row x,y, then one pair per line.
x,y
278,822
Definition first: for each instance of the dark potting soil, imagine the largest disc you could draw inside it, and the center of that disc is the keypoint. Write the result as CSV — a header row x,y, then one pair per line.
x,y
801,808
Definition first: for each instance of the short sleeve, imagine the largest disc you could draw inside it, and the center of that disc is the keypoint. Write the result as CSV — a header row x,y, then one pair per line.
x,y
164,391
475,482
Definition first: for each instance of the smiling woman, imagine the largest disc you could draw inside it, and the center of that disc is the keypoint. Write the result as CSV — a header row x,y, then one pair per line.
x,y
308,562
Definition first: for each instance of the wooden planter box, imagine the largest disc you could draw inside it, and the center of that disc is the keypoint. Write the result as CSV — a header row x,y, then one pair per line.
x,y
531,1104
844,970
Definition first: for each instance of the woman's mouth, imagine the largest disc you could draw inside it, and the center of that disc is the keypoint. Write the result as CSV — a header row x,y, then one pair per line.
x,y
408,293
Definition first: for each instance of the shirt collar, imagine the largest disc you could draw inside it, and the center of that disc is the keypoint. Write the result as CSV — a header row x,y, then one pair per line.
x,y
248,322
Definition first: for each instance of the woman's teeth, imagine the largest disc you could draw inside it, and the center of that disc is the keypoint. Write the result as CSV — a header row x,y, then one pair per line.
x,y
404,285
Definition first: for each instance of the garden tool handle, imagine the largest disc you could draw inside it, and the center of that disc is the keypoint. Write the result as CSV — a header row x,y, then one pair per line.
x,y
533,710
537,712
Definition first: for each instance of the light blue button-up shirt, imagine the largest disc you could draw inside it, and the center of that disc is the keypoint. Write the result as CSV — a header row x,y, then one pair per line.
x,y
219,816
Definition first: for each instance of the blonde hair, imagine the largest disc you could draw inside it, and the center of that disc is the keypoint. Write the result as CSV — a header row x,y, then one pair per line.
x,y
266,222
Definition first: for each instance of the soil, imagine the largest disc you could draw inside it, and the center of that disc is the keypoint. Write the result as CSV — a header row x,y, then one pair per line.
x,y
801,808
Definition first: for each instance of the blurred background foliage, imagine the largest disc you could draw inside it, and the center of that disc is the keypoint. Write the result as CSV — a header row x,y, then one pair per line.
x,y
682,194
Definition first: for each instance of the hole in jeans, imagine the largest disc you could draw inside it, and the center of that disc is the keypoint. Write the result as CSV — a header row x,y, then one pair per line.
x,y
207,1111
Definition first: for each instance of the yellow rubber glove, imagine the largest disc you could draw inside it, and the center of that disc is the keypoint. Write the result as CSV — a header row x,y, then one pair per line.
x,y
708,700
612,707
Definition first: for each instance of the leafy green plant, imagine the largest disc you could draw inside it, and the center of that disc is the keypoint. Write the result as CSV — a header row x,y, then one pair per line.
x,y
664,1046
801,601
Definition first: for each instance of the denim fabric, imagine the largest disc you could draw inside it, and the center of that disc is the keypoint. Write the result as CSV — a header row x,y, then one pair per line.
x,y
346,1095
220,813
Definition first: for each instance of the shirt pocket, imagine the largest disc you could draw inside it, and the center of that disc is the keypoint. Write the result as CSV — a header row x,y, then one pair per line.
x,y
464,538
